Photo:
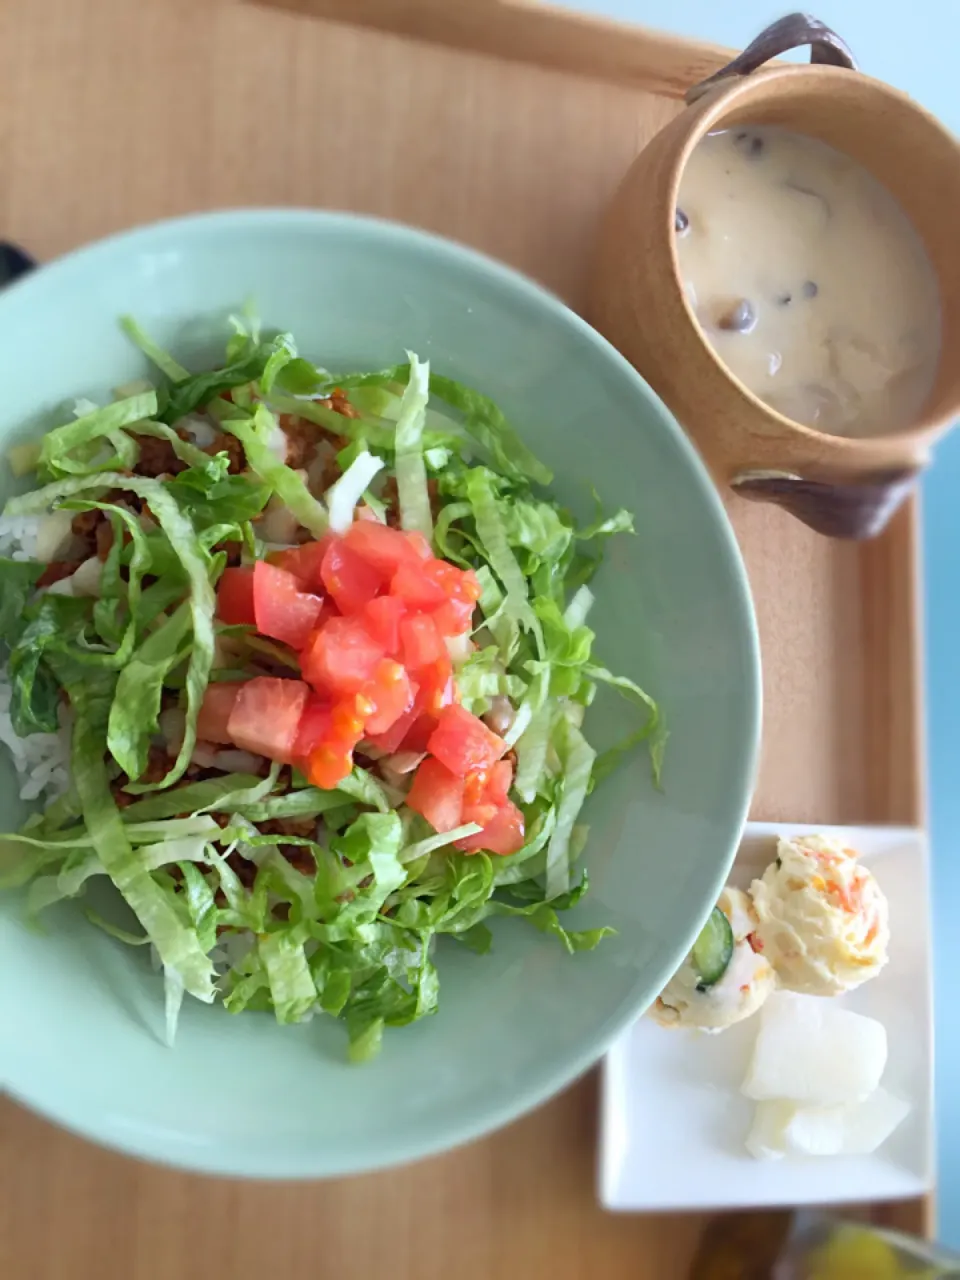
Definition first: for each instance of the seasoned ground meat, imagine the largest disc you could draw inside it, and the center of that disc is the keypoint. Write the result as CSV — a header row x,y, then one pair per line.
x,y
305,826
300,858
234,552
84,523
84,526
157,766
56,570
224,442
122,798
391,500
245,869
338,402
103,539
157,457
301,440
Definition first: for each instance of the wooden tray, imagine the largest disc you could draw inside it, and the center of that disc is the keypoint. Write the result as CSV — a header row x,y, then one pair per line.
x,y
507,127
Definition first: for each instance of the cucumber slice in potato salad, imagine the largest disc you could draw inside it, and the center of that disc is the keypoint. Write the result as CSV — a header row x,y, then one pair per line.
x,y
712,950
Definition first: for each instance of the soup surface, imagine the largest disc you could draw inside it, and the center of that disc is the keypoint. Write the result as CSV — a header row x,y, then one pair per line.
x,y
808,280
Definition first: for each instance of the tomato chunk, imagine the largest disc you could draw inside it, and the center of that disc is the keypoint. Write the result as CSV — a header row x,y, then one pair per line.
x,y
281,609
314,727
412,584
392,739
437,688
389,695
382,618
453,617
421,644
329,764
304,562
349,579
499,782
331,757
419,543
463,742
215,711
383,548
458,584
341,657
480,811
266,716
235,596
437,794
504,834
419,733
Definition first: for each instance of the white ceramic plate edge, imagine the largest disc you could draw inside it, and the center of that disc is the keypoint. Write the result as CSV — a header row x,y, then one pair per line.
x,y
765,1183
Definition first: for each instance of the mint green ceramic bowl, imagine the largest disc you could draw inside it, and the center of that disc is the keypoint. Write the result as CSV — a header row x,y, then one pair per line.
x,y
80,1015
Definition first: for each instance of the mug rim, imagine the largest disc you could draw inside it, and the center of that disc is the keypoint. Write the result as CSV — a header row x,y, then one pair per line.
x,y
713,106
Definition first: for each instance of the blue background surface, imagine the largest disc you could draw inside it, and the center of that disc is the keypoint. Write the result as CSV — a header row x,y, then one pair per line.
x,y
914,46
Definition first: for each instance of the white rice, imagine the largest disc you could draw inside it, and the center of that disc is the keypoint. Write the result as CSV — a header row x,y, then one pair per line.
x,y
19,536
42,760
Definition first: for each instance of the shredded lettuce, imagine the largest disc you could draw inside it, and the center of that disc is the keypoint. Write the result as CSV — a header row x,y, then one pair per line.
x,y
411,470
171,368
343,496
254,434
336,903
577,757
75,449
516,608
177,944
135,710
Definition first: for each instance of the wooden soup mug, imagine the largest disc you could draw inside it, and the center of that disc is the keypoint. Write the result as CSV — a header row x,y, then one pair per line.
x,y
841,486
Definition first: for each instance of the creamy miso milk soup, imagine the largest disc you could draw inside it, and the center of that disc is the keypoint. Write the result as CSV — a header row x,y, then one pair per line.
x,y
808,279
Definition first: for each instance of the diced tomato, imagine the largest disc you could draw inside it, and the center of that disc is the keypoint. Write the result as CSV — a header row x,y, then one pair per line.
x,y
382,547
459,584
304,562
281,609
331,758
382,618
419,543
349,579
437,687
328,734
215,711
235,596
390,695
367,513
421,644
346,723
475,787
314,727
437,794
412,584
453,617
504,834
463,742
341,657
499,782
419,733
266,716
395,736
329,764
328,611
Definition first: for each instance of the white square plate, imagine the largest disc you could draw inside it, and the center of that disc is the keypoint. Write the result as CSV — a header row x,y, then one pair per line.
x,y
673,1121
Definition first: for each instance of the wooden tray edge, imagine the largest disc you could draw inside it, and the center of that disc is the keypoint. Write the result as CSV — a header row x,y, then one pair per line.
x,y
891,589
527,31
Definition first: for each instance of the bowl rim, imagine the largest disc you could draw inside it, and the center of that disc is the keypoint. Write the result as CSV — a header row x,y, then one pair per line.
x,y
539,1086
